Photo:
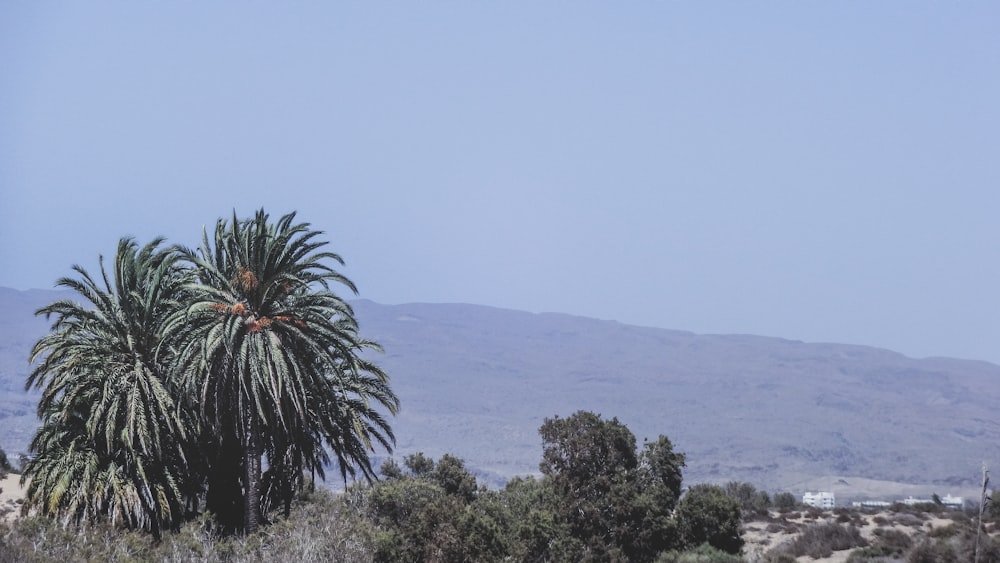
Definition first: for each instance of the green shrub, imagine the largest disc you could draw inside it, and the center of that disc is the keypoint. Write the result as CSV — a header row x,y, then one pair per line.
x,y
821,540
707,515
785,502
948,531
929,551
965,546
701,554
774,528
752,502
887,544
5,466
892,541
908,519
993,506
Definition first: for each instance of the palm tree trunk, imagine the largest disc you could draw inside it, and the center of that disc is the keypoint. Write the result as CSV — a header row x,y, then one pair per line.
x,y
225,497
251,467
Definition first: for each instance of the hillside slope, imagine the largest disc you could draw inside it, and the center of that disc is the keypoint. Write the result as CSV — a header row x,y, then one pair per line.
x,y
478,381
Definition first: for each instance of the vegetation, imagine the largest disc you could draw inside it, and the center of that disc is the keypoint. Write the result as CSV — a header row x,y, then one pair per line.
x,y
993,506
114,440
433,510
785,501
183,369
707,515
274,359
821,540
5,466
751,501
599,499
321,527
183,373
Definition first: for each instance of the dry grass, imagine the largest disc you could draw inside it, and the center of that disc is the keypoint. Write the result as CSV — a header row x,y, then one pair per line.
x,y
321,528
860,536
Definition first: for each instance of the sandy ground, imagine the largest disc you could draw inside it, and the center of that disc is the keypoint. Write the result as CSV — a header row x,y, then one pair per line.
x,y
11,493
759,541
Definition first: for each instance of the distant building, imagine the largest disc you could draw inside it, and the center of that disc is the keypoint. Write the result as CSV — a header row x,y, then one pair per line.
x,y
953,502
947,500
821,499
871,504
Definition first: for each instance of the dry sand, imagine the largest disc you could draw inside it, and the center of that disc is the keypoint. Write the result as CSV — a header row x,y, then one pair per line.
x,y
11,495
759,541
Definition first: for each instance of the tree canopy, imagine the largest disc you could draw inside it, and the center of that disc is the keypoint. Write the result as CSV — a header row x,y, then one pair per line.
x,y
184,368
599,499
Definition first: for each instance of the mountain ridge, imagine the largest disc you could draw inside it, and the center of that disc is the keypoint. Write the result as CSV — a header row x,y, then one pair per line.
x,y
477,381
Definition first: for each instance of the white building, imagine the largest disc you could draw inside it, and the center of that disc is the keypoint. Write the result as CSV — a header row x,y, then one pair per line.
x,y
871,504
953,502
947,500
821,499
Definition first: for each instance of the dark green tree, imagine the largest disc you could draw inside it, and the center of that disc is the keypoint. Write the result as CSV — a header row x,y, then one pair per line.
x,y
659,488
599,500
451,475
613,502
434,513
785,501
273,360
419,464
751,500
530,514
113,439
592,464
706,514
662,470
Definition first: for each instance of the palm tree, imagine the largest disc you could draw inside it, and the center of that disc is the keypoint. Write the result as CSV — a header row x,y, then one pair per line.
x,y
273,359
113,441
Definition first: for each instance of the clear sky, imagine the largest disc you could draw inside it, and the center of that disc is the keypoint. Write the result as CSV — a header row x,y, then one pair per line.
x,y
820,171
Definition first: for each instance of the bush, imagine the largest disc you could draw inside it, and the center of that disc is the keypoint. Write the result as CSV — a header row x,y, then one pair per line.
x,y
701,554
321,528
752,502
785,501
821,540
707,515
965,548
993,506
813,513
929,551
948,531
888,543
907,519
5,466
894,541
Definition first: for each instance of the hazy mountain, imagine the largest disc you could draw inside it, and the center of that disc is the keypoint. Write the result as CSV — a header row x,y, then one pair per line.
x,y
477,382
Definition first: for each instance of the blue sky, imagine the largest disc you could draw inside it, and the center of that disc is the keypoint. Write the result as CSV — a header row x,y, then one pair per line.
x,y
816,171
